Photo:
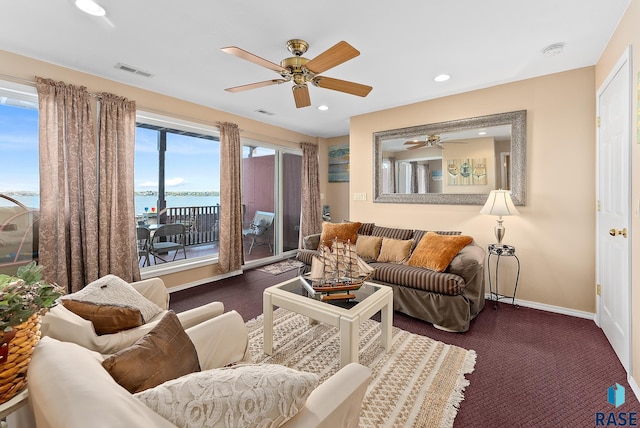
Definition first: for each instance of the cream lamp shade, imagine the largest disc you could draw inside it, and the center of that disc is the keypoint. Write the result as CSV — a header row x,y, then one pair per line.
x,y
499,203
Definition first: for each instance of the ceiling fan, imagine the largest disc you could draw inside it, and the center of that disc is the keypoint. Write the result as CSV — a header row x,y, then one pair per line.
x,y
429,141
301,70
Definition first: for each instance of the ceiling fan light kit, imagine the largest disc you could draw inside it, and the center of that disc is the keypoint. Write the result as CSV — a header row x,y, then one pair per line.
x,y
301,70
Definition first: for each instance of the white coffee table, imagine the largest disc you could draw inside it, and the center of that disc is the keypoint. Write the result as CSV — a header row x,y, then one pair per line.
x,y
370,299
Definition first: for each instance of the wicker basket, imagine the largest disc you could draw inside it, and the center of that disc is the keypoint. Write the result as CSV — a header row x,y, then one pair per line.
x,y
17,345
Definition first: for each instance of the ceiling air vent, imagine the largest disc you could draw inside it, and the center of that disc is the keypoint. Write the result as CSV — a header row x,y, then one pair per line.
x,y
134,70
268,113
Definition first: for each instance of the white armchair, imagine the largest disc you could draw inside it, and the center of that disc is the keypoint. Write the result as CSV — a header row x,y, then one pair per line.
x,y
69,388
62,324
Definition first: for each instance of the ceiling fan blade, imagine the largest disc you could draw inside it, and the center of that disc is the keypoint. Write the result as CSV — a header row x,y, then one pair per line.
x,y
255,85
342,86
335,55
418,146
301,96
415,142
241,53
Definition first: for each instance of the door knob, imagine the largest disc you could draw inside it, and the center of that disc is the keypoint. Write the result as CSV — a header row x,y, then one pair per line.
x,y
615,232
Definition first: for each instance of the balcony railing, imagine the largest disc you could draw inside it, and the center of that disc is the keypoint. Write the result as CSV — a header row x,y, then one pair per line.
x,y
202,223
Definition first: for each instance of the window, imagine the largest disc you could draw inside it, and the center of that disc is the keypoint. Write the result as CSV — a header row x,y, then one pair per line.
x,y
177,180
19,176
386,176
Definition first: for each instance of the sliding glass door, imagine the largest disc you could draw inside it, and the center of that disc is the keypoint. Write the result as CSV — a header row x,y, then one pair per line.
x,y
271,179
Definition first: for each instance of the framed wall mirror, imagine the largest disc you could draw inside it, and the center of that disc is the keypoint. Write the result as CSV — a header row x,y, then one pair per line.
x,y
456,162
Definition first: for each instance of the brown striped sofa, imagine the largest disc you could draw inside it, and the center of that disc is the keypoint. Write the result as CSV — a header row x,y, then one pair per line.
x,y
449,300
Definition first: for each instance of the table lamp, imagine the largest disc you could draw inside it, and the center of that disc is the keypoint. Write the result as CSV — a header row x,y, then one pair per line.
x,y
499,203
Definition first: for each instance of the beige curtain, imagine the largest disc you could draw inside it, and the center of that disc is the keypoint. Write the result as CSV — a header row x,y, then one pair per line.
x,y
392,175
311,218
68,236
118,254
414,177
231,254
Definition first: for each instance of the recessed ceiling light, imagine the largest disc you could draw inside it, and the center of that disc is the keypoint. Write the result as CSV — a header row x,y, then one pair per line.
x,y
90,7
442,78
482,133
553,50
323,107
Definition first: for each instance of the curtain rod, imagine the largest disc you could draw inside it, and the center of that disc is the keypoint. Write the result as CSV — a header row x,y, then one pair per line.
x,y
157,111
33,83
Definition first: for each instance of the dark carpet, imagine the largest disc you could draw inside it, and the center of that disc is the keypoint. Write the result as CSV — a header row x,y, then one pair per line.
x,y
534,368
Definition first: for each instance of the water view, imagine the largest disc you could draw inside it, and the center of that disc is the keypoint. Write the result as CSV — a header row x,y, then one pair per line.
x,y
142,201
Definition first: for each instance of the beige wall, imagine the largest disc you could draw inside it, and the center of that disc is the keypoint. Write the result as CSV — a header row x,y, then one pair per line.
x,y
336,195
554,235
628,33
22,68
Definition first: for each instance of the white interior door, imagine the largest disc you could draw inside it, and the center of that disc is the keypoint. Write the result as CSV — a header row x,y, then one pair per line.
x,y
613,234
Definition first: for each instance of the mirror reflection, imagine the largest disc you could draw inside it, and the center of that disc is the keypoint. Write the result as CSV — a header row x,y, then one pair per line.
x,y
456,162
468,161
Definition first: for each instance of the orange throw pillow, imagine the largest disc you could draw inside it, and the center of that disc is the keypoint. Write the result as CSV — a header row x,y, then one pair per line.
x,y
342,231
435,251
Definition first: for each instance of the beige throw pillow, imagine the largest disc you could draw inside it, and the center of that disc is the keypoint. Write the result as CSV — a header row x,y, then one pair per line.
x,y
436,251
264,395
395,250
368,246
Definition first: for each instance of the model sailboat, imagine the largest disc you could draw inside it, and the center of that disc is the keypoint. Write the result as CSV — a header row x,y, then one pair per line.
x,y
338,269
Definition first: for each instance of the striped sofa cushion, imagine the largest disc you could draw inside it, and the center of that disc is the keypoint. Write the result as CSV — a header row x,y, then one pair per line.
x,y
306,256
419,278
392,232
366,228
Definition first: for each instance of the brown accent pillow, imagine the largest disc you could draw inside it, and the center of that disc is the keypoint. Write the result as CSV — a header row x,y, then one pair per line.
x,y
436,251
165,353
342,231
368,246
113,290
106,319
395,250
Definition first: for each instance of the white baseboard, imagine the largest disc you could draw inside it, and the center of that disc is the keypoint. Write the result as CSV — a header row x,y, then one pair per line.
x,y
634,386
548,308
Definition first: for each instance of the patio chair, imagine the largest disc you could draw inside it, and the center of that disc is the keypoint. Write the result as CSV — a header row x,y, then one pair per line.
x,y
144,238
167,238
260,230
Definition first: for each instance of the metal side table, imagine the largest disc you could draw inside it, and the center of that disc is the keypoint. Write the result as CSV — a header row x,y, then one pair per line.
x,y
501,250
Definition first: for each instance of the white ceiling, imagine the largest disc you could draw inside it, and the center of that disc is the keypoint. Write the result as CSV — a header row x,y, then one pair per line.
x,y
403,44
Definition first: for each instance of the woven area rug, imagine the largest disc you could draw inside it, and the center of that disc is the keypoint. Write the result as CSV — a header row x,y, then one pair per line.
x,y
419,383
281,267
